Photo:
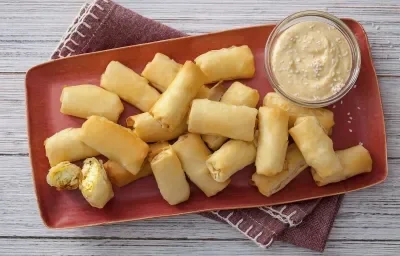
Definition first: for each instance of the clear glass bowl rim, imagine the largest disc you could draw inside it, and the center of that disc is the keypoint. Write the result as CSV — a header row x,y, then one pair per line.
x,y
355,52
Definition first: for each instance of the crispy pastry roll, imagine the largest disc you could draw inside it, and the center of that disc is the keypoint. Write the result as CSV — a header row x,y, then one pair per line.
x,y
272,140
355,160
316,146
64,176
150,130
66,145
227,63
120,177
128,85
216,118
94,184
156,148
193,153
324,116
161,71
230,158
241,95
174,103
86,100
294,165
170,177
117,143
237,94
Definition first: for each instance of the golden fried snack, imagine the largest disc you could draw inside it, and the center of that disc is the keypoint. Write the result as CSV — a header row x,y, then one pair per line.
x,y
150,130
294,165
170,177
193,153
316,146
227,63
355,160
66,145
173,105
128,85
116,142
216,118
87,100
64,175
237,94
272,140
94,184
230,158
156,148
161,71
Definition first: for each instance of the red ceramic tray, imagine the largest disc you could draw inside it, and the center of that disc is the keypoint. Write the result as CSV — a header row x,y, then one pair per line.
x,y
141,199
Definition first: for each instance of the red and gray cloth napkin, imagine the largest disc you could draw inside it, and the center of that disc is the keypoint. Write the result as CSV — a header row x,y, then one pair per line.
x,y
104,24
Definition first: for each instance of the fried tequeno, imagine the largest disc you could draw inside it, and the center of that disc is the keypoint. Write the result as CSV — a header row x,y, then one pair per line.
x,y
227,63
216,118
94,184
230,158
272,140
170,177
64,176
193,154
128,85
294,165
173,105
66,145
316,146
156,148
150,130
240,94
355,160
237,94
161,71
87,100
116,142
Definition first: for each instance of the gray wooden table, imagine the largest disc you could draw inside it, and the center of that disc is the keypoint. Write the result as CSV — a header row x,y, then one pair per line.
x,y
368,222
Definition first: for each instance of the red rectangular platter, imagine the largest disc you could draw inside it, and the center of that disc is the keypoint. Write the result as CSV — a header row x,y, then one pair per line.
x,y
141,199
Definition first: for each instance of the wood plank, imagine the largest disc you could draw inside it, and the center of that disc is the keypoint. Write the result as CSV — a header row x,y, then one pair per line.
x,y
15,246
375,208
13,137
28,44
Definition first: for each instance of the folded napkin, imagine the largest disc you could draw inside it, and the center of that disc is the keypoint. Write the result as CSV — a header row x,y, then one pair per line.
x,y
104,24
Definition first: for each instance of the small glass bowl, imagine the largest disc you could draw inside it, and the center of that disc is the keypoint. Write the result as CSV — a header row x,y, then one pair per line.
x,y
322,17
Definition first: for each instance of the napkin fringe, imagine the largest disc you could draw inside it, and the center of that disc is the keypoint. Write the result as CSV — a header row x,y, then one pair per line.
x,y
80,20
246,233
285,218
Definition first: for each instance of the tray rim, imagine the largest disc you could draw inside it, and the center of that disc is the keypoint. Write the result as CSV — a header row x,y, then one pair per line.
x,y
50,62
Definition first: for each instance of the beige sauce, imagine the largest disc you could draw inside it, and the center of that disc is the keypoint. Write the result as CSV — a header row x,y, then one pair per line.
x,y
311,60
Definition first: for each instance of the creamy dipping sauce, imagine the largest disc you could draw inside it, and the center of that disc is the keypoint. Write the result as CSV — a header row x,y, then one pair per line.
x,y
311,60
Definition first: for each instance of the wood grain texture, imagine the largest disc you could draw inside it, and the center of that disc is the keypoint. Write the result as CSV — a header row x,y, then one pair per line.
x,y
60,246
368,221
